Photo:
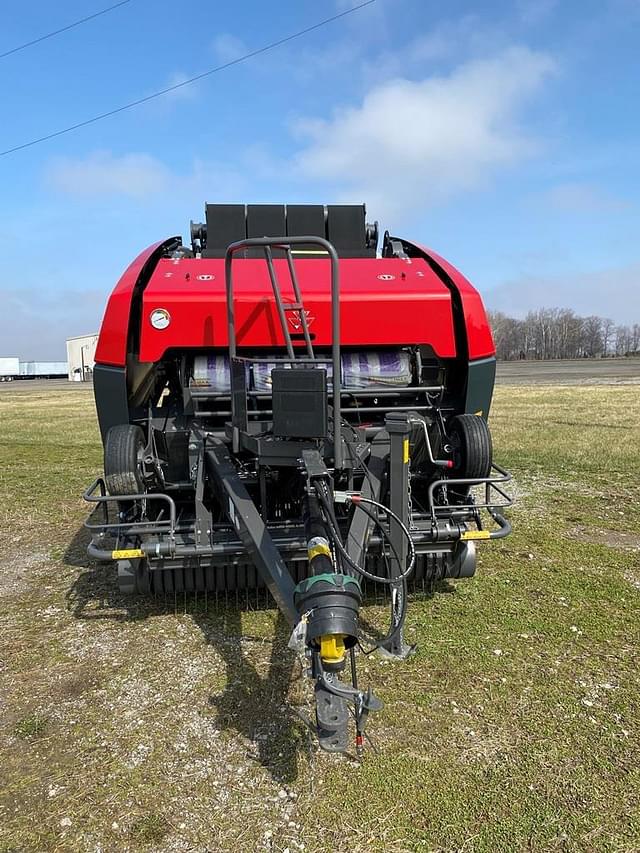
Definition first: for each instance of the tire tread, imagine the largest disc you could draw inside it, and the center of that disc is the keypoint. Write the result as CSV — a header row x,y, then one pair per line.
x,y
476,446
121,460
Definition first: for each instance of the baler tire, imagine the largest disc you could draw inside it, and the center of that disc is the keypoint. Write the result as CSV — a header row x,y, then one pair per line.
x,y
122,456
473,449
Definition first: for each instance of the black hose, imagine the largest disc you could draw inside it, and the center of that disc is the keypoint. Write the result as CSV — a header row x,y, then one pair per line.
x,y
400,581
402,584
333,528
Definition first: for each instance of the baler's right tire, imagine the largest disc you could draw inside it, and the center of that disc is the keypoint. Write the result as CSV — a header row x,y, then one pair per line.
x,y
123,450
472,447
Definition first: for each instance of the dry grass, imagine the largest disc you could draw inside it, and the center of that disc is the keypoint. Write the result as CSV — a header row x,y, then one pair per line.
x,y
133,725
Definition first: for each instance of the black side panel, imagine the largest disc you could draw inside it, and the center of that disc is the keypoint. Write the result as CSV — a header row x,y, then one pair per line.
x,y
110,391
265,220
226,223
341,224
481,378
346,230
303,219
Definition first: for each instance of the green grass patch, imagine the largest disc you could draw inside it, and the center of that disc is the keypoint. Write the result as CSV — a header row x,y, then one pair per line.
x,y
31,726
174,724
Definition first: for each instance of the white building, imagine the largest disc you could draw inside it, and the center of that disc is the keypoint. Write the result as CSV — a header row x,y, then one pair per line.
x,y
81,356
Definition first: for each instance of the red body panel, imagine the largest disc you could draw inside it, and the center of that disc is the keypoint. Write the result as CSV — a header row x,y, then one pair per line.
x,y
479,337
382,302
112,341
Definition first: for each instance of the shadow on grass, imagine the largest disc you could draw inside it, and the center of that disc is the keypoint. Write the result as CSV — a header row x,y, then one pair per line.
x,y
254,705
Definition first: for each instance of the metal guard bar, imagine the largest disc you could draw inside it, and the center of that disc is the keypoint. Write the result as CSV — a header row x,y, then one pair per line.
x,y
491,506
285,243
103,499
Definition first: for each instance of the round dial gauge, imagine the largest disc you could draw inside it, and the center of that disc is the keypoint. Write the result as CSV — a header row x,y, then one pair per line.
x,y
160,318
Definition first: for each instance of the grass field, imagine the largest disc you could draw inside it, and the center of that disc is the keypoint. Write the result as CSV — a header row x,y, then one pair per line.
x,y
132,725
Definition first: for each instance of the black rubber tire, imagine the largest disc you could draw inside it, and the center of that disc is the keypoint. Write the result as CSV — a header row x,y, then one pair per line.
x,y
123,448
472,446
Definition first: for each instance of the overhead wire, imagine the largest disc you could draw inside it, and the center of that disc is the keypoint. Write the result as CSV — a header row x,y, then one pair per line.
x,y
63,29
188,82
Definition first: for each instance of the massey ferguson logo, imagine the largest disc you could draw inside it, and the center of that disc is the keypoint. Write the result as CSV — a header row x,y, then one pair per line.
x,y
296,322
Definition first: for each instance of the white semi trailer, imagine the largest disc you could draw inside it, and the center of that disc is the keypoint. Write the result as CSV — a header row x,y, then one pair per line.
x,y
9,369
43,369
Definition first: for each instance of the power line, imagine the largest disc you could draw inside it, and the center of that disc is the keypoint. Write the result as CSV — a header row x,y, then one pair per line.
x,y
208,73
63,29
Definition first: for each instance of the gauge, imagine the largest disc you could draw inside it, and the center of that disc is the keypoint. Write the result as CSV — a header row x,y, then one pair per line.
x,y
160,318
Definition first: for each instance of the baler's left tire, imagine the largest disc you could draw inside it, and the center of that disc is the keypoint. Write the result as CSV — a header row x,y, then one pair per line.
x,y
472,447
123,451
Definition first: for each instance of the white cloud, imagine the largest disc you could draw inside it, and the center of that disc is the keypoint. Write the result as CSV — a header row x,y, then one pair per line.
x,y
141,176
464,35
103,173
227,47
407,146
188,92
412,144
611,293
583,198
534,12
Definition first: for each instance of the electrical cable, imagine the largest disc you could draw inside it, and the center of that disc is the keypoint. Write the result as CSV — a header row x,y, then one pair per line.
x,y
405,530
194,79
63,29
401,583
394,630
326,503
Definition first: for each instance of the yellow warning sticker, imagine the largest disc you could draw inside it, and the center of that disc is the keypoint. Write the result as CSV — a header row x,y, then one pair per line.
x,y
476,534
406,451
127,553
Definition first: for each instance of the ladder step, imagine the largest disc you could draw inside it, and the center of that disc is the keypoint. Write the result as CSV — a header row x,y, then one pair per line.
x,y
292,306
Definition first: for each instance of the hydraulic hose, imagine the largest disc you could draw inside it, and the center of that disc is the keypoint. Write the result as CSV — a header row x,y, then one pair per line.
x,y
332,526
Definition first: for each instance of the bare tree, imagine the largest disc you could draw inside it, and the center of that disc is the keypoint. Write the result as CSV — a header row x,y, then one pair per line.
x,y
592,336
561,333
624,340
608,327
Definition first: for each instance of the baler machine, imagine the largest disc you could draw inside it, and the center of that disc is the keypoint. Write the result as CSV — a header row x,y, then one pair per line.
x,y
295,412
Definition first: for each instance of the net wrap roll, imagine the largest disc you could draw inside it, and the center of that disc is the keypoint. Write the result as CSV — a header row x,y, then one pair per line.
x,y
359,370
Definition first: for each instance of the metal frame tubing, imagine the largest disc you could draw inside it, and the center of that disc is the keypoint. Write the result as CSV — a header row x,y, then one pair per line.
x,y
285,243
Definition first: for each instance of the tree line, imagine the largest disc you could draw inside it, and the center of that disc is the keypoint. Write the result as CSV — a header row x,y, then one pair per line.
x,y
560,333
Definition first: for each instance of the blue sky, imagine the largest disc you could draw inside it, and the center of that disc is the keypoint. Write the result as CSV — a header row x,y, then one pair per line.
x,y
504,135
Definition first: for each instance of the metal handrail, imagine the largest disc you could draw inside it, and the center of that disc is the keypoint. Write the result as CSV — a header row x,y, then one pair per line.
x,y
285,244
488,482
140,526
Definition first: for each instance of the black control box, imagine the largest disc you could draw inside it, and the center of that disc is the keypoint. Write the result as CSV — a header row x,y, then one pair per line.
x,y
299,402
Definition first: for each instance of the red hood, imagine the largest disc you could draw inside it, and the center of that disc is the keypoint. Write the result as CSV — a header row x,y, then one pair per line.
x,y
385,301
